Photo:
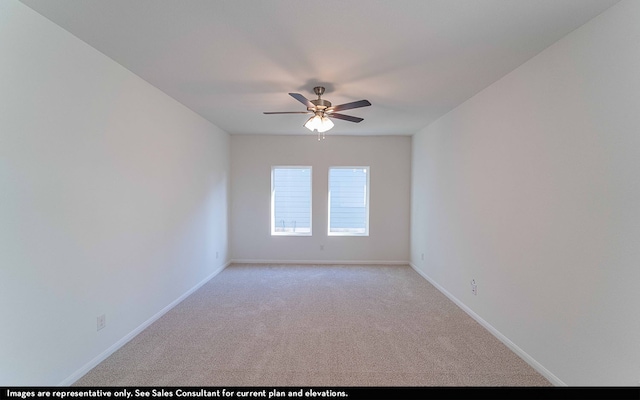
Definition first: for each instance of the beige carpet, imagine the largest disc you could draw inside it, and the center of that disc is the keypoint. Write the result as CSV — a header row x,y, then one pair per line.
x,y
320,325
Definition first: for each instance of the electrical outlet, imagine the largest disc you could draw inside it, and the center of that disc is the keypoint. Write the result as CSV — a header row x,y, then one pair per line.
x,y
321,247
474,287
422,256
102,321
217,255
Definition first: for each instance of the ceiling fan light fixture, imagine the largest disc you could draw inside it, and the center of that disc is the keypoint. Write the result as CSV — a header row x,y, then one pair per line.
x,y
319,123
314,123
326,124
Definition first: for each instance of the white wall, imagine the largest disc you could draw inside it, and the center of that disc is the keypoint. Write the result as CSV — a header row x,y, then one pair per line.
x,y
252,158
113,200
532,188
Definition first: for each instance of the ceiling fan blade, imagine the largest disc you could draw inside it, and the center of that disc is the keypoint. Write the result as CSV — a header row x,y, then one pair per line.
x,y
302,99
287,112
345,117
348,106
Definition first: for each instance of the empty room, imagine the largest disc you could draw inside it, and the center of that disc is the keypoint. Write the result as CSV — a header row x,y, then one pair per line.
x,y
407,193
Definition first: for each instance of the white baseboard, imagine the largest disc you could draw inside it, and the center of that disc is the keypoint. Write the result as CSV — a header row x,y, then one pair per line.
x,y
321,262
521,353
102,356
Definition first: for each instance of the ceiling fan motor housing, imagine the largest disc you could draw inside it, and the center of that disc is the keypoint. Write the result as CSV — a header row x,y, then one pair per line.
x,y
320,104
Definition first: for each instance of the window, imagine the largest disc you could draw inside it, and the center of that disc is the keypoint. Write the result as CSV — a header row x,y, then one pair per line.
x,y
291,201
349,201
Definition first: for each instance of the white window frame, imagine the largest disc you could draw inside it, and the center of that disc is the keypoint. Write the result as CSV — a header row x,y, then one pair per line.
x,y
367,194
273,203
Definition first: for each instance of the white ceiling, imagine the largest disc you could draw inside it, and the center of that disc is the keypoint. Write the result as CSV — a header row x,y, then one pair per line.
x,y
229,61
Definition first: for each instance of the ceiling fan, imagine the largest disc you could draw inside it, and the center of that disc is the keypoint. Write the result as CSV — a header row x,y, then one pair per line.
x,y
322,110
